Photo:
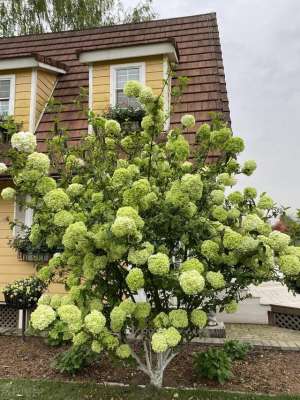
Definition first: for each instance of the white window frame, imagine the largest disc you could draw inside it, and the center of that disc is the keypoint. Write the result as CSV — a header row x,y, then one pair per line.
x,y
11,104
113,77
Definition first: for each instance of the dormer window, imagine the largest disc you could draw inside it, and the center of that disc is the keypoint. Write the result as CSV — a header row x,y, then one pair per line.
x,y
6,95
120,75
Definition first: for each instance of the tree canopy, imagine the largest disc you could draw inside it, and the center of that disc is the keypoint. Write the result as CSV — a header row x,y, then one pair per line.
x,y
22,17
146,240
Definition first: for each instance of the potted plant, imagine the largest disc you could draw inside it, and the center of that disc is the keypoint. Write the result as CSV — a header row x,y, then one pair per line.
x,y
24,293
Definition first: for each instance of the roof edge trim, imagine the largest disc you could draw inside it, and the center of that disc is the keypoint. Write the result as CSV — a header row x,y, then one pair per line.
x,y
27,62
167,48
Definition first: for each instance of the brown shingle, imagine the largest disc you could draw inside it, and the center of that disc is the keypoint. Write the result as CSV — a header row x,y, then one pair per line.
x,y
200,59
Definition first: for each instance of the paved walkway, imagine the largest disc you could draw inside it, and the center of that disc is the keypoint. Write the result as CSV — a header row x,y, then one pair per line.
x,y
265,336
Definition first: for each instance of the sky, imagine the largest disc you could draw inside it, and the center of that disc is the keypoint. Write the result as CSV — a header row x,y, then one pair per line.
x,y
260,42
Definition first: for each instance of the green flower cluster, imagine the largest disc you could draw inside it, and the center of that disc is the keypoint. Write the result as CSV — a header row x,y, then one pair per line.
x,y
63,218
186,191
45,185
289,265
42,317
72,316
265,202
199,318
252,222
159,264
133,89
38,161
178,148
140,257
210,250
56,199
232,240
250,193
8,194
135,279
216,279
142,310
178,318
249,167
236,197
188,121
192,264
74,190
191,282
123,351
165,338
219,213
74,233
128,306
117,319
226,179
278,241
217,196
124,227
95,322
112,127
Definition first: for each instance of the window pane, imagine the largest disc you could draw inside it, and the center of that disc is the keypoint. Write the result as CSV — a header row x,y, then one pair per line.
x,y
124,75
4,107
122,100
4,88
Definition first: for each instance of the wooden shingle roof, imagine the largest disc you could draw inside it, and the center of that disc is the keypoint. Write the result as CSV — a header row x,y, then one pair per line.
x,y
200,59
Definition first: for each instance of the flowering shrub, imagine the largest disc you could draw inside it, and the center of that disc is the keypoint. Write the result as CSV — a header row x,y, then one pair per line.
x,y
150,242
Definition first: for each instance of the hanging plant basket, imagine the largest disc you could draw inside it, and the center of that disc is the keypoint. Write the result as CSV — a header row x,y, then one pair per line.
x,y
24,293
20,302
34,257
129,118
26,251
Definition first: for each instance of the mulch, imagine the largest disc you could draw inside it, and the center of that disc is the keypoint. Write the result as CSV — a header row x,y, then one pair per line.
x,y
263,371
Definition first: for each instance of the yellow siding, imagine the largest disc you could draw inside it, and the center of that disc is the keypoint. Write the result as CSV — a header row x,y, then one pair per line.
x,y
11,268
22,95
45,84
101,79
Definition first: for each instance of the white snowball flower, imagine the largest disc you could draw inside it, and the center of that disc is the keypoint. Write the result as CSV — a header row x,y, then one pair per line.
x,y
24,141
3,168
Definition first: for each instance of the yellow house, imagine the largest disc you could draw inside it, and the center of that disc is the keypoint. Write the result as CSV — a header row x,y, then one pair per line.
x,y
35,68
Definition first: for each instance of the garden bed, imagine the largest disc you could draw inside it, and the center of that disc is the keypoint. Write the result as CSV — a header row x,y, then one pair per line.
x,y
264,371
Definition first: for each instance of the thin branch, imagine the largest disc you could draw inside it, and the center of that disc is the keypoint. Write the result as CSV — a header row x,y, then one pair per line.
x,y
149,366
142,366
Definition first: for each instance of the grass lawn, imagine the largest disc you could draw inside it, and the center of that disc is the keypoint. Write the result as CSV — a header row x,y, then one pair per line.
x,y
53,390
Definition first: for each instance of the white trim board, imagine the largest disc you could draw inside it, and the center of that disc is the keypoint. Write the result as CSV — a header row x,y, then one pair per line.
x,y
32,112
119,53
91,88
28,62
167,92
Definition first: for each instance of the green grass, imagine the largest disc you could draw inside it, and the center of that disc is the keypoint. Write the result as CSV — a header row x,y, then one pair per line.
x,y
53,390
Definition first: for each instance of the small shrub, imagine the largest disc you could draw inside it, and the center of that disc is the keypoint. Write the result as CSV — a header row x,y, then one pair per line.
x,y
74,359
236,350
213,364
